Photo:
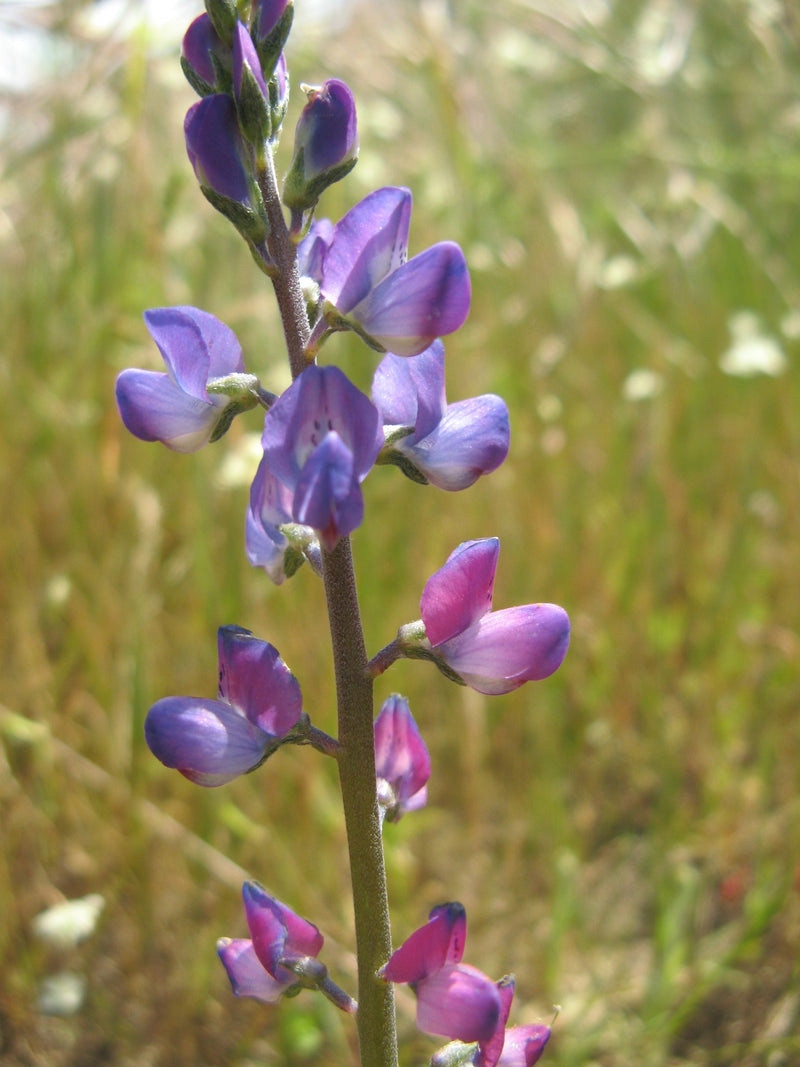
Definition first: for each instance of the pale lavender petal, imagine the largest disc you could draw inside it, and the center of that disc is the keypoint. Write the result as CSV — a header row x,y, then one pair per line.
x,y
270,507
247,976
507,648
472,439
195,346
458,1002
154,408
368,243
410,391
401,756
460,592
311,250
254,679
523,1046
438,943
426,298
208,741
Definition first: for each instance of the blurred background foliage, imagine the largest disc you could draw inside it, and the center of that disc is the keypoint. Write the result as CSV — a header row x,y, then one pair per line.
x,y
626,836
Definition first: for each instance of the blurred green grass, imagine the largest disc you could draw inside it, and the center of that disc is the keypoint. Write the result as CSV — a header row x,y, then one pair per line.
x,y
626,836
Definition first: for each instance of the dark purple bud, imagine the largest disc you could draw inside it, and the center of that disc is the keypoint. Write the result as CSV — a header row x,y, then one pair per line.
x,y
250,89
215,147
325,144
204,56
266,14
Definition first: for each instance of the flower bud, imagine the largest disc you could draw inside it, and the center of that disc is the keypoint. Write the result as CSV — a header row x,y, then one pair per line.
x,y
250,90
217,152
325,145
224,15
205,59
270,24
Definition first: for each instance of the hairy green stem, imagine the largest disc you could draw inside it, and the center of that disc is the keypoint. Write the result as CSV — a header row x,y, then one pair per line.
x,y
286,278
356,758
377,1027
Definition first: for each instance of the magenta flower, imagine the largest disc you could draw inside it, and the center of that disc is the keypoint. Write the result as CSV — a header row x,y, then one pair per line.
x,y
523,1046
213,741
397,306
204,388
402,762
453,999
450,446
257,966
492,651
321,439
325,144
519,1046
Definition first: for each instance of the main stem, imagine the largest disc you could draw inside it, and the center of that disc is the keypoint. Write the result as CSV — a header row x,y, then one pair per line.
x,y
377,1027
376,1015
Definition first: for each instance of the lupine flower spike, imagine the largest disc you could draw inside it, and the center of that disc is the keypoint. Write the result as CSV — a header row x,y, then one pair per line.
x,y
213,741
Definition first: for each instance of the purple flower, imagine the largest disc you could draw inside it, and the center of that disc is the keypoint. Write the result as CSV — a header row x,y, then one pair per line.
x,y
204,55
402,762
491,651
450,445
216,149
325,144
213,741
321,439
256,966
400,306
453,999
519,1046
523,1046
203,388
269,521
311,250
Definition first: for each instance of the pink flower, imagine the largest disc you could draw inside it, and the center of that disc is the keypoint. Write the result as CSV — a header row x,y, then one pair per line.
x,y
402,762
453,999
492,651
